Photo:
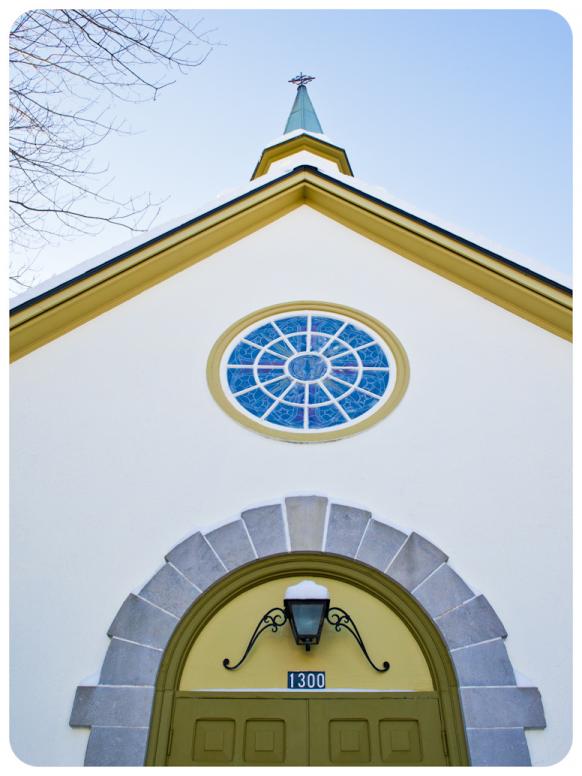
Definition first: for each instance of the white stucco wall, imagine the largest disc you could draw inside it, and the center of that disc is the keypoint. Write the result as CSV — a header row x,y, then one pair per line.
x,y
119,452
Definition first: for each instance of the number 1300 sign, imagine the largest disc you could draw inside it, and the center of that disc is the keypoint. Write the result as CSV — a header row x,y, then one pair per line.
x,y
306,680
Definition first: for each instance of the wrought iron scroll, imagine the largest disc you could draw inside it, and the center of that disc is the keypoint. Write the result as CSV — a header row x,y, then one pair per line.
x,y
267,621
338,618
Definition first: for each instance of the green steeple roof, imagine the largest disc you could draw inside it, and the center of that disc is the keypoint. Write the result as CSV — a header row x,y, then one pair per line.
x,y
303,114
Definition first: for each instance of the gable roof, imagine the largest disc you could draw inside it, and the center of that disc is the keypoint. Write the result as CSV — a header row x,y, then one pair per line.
x,y
78,295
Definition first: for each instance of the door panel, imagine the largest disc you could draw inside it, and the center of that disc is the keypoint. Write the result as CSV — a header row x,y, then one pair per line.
x,y
375,731
307,730
239,731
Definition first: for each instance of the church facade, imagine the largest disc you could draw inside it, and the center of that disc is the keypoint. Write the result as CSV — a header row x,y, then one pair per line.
x,y
291,485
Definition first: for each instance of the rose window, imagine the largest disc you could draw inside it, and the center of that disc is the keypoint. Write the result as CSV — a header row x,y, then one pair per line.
x,y
308,371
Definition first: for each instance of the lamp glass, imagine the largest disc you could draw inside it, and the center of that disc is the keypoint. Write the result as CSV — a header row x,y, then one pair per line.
x,y
306,618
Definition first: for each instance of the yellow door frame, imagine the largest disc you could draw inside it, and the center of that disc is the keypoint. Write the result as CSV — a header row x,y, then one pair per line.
x,y
338,567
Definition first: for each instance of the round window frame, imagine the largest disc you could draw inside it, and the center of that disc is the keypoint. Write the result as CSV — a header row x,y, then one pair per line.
x,y
213,371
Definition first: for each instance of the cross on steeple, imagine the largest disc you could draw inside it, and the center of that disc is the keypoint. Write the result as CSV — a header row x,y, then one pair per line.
x,y
301,80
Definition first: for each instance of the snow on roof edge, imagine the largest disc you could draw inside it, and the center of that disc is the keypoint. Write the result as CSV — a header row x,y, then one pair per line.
x,y
142,238
379,192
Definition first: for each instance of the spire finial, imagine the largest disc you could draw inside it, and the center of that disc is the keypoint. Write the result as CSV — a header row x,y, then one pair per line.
x,y
302,114
301,80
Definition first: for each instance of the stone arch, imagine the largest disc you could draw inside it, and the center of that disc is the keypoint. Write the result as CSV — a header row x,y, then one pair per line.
x,y
495,709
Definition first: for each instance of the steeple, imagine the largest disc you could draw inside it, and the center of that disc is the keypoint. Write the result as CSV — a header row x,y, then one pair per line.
x,y
303,142
302,114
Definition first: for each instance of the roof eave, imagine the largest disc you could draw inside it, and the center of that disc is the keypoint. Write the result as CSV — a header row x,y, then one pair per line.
x,y
516,288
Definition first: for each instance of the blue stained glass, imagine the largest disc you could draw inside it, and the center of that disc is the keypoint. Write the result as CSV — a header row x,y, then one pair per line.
x,y
317,395
282,348
336,389
373,356
263,334
239,379
296,395
335,347
347,360
269,359
269,374
350,375
325,325
325,416
307,367
243,354
290,375
318,342
284,415
293,324
278,387
299,342
354,336
376,382
256,402
357,403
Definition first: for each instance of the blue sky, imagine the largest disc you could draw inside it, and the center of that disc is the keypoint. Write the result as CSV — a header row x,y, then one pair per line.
x,y
466,115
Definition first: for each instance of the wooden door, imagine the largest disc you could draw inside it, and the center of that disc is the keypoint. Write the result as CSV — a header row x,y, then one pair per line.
x,y
376,731
284,729
239,731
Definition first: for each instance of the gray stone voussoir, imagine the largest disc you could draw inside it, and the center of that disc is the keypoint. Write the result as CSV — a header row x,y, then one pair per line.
x,y
345,529
306,521
195,559
502,746
117,746
140,621
266,527
484,664
170,590
232,545
416,560
442,590
380,544
126,663
472,622
104,706
502,707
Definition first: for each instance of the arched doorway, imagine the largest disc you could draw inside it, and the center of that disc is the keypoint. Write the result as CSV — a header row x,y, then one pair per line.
x,y
204,714
118,706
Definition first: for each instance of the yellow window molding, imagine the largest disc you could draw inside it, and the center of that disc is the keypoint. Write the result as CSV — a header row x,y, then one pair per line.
x,y
353,386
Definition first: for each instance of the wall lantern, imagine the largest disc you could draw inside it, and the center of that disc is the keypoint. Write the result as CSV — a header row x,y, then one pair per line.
x,y
306,605
306,608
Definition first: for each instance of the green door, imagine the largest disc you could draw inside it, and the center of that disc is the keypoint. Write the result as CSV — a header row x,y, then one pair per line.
x,y
283,729
239,731
376,731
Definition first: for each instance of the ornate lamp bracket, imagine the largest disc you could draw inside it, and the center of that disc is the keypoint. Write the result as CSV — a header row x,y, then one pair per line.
x,y
273,619
276,618
338,619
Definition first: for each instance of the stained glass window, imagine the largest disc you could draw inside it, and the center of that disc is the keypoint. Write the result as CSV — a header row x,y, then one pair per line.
x,y
308,371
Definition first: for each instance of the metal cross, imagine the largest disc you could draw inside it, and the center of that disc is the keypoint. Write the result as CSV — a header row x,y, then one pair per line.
x,y
301,80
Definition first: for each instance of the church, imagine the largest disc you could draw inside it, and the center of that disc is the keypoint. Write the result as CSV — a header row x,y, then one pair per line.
x,y
291,485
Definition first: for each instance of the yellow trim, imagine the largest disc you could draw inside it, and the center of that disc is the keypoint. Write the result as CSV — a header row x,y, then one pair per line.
x,y
217,352
302,143
85,299
509,287
305,564
506,286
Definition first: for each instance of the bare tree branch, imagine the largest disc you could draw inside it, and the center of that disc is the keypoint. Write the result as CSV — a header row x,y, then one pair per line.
x,y
68,69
